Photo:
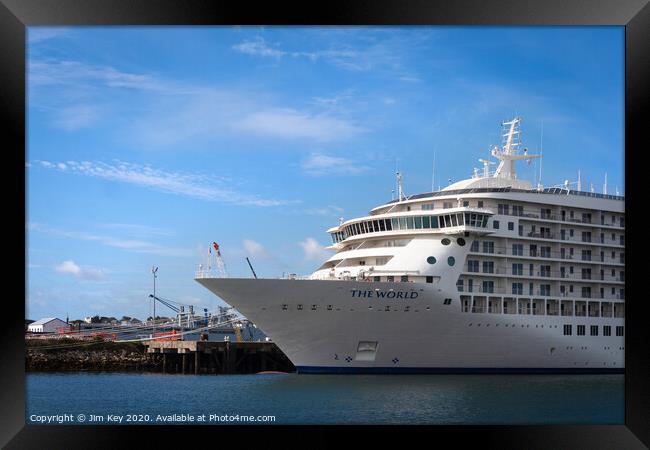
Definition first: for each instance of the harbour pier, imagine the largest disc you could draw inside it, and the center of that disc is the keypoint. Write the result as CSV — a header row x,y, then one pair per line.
x,y
217,357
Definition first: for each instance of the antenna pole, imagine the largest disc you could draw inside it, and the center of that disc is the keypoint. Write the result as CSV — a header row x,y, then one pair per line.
x,y
541,154
251,266
605,185
154,270
433,175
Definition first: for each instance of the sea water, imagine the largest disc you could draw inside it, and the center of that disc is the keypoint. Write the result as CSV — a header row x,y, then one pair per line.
x,y
121,398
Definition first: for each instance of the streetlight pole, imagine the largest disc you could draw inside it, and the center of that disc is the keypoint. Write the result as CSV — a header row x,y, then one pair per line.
x,y
153,271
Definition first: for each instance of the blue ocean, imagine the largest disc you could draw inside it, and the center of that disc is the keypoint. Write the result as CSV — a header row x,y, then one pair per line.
x,y
121,398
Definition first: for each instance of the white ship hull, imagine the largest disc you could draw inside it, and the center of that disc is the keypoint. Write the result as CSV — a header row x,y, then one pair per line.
x,y
413,332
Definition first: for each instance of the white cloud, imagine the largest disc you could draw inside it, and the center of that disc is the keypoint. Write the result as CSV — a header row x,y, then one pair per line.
x,y
40,34
88,273
191,185
76,74
313,250
290,123
134,245
346,58
77,95
258,47
75,117
319,164
254,248
330,210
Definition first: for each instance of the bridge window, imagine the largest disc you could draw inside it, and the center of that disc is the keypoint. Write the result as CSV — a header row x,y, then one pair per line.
x,y
418,223
409,223
426,223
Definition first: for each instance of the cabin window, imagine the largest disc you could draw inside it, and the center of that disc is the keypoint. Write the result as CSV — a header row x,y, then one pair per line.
x,y
593,330
488,286
426,223
607,330
460,241
418,223
567,330
402,223
581,330
451,260
488,266
404,278
409,223
495,224
434,221
445,241
619,331
431,260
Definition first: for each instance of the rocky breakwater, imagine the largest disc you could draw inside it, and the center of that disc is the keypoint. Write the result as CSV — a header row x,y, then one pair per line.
x,y
67,355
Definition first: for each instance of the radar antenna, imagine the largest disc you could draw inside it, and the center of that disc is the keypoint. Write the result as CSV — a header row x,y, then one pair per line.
x,y
486,166
509,151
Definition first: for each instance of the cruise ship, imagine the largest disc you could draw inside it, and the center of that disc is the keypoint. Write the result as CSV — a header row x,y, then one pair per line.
x,y
488,275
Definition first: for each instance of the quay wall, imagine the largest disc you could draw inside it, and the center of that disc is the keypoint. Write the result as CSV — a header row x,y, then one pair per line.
x,y
186,357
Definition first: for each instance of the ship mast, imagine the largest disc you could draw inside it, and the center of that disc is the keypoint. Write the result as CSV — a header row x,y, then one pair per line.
x,y
508,153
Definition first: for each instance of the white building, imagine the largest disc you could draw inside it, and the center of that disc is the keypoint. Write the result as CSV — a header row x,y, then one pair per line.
x,y
47,325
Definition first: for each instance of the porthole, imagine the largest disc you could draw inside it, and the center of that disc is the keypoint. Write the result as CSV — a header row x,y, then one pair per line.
x,y
431,260
445,241
451,260
460,241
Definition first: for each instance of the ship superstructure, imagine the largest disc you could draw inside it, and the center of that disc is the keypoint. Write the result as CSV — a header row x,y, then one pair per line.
x,y
487,274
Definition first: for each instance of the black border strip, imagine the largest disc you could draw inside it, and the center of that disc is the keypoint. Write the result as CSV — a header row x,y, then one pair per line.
x,y
15,15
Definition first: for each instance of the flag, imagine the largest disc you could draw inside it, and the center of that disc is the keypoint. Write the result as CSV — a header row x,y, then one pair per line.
x,y
216,247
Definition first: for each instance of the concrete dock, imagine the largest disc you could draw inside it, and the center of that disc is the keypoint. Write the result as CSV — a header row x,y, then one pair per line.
x,y
218,357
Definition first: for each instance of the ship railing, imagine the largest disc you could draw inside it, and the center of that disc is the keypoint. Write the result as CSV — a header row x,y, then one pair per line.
x,y
208,273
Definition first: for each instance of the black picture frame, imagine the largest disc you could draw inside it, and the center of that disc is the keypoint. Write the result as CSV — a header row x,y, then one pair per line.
x,y
634,15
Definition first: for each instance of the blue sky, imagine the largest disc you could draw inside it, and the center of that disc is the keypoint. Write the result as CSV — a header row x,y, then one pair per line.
x,y
145,144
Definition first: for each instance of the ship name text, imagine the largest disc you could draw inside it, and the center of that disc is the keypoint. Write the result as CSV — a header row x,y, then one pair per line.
x,y
359,293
